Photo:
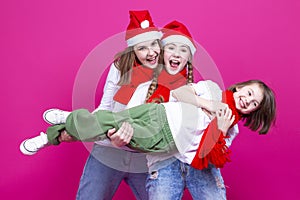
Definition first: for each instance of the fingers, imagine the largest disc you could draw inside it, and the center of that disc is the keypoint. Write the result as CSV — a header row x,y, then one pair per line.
x,y
219,106
228,113
225,112
110,132
232,119
128,131
65,137
122,136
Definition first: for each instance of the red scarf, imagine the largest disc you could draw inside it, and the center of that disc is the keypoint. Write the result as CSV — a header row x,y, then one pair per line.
x,y
139,74
166,83
213,150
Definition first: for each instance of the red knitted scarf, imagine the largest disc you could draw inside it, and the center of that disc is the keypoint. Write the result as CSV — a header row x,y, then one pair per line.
x,y
139,75
166,83
212,148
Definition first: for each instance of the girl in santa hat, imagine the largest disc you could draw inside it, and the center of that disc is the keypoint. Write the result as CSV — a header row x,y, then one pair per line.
x,y
171,169
107,166
167,170
179,73
136,64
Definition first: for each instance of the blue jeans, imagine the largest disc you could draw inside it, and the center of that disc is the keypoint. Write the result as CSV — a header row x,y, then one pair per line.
x,y
100,179
168,183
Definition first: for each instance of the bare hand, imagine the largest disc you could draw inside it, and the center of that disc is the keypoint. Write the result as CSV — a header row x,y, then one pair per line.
x,y
224,119
185,94
65,137
215,106
122,136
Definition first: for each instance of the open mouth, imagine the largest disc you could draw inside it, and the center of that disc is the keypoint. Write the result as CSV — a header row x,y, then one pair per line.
x,y
152,60
242,103
174,64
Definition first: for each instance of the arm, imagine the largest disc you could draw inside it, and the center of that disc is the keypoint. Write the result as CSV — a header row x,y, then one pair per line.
x,y
117,137
187,94
110,88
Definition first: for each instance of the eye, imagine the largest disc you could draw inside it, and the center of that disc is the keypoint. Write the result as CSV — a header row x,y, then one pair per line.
x,y
170,48
184,50
141,48
249,93
255,104
154,43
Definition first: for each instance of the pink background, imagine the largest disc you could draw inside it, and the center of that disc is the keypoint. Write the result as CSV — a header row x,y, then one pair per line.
x,y
43,44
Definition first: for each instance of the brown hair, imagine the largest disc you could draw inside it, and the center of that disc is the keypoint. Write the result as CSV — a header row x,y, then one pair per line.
x,y
264,117
125,60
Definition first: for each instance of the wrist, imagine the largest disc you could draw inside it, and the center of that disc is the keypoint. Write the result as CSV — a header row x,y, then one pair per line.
x,y
223,130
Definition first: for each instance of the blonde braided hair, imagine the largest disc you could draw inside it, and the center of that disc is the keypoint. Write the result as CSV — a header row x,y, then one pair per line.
x,y
153,85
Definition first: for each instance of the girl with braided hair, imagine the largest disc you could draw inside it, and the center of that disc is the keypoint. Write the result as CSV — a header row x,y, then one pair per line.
x,y
164,127
158,88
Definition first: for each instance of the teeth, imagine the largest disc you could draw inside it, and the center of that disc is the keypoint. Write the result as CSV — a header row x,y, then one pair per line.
x,y
175,61
242,103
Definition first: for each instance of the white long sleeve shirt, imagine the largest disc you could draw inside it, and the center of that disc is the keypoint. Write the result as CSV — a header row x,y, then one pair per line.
x,y
186,148
107,103
188,129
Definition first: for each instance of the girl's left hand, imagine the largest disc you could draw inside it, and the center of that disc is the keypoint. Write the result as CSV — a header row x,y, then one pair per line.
x,y
224,119
65,137
122,136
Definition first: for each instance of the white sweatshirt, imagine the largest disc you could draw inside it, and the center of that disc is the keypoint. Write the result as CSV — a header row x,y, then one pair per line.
x,y
187,137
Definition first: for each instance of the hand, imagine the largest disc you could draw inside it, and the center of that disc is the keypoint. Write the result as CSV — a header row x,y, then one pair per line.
x,y
122,136
185,94
224,119
65,137
215,106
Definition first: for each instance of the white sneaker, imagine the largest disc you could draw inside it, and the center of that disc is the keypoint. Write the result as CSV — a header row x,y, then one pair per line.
x,y
55,116
32,145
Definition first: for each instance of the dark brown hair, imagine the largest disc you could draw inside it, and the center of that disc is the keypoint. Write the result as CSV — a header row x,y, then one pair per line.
x,y
264,117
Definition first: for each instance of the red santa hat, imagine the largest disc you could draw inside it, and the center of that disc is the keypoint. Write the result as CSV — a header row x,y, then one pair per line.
x,y
141,28
177,32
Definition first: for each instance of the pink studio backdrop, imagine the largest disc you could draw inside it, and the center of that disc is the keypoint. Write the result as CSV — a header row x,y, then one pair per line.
x,y
43,44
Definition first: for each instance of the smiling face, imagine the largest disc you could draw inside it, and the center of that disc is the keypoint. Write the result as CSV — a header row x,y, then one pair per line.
x,y
148,53
176,56
248,98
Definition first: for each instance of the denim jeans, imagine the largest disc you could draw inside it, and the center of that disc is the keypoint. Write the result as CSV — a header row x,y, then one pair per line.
x,y
100,179
168,183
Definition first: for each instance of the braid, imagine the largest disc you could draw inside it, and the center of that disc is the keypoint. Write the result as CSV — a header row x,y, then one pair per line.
x,y
154,82
190,74
156,72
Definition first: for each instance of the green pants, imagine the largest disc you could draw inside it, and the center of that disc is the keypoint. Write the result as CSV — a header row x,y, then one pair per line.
x,y
149,121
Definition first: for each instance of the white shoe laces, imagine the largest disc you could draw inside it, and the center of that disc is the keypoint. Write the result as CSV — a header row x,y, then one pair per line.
x,y
36,143
55,116
59,117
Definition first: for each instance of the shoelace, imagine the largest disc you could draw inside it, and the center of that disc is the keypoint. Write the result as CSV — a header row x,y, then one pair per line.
x,y
34,144
60,117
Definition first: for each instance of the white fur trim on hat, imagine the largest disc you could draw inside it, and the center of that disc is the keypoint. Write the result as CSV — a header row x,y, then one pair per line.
x,y
181,39
151,35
